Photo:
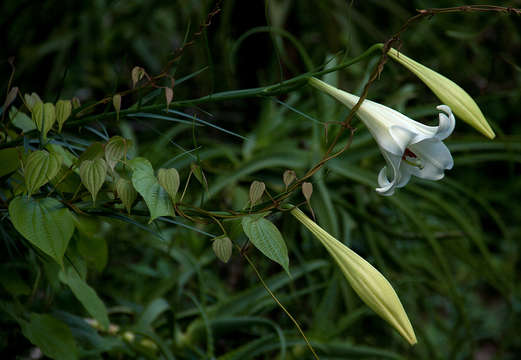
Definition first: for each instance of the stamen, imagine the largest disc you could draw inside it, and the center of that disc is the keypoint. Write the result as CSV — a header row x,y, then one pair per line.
x,y
412,159
416,163
409,153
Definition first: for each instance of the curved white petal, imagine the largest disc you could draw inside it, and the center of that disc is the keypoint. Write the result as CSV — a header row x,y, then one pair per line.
x,y
402,136
385,140
435,152
428,172
405,174
447,122
383,182
387,186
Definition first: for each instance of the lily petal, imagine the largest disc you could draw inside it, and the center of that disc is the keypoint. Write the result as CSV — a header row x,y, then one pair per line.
x,y
409,147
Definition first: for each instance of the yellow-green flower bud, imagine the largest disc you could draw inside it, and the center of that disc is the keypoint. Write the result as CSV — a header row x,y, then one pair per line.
x,y
448,92
372,287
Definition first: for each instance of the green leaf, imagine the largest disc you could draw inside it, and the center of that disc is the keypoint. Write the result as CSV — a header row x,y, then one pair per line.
x,y
40,168
90,243
199,175
147,185
12,282
93,152
267,238
44,116
86,295
52,336
93,174
9,160
21,120
126,193
45,223
63,111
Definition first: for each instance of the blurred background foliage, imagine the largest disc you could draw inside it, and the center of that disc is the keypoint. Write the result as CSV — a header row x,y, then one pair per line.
x,y
450,248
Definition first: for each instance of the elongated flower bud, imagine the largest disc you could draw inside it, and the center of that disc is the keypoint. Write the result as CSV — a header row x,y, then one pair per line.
x,y
450,93
372,287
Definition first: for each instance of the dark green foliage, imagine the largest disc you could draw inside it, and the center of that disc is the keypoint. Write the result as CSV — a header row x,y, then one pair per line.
x,y
449,248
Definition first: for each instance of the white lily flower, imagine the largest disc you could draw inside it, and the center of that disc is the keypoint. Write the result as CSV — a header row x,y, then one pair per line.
x,y
409,147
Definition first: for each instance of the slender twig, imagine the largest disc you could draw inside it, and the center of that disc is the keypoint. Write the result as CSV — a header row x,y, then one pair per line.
x,y
280,305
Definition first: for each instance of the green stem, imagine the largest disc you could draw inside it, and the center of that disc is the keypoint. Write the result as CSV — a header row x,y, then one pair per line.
x,y
270,90
281,306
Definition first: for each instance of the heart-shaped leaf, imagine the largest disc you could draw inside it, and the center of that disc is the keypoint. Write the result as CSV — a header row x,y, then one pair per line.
x,y
45,223
126,193
44,116
115,150
267,238
147,185
169,180
63,111
40,167
93,174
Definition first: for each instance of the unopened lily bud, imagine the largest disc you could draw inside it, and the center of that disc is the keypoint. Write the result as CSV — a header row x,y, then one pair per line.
x,y
372,287
450,93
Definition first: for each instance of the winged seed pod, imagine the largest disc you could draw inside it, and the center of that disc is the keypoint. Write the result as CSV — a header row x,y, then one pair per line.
x,y
137,74
76,103
307,190
126,193
288,177
40,167
116,101
92,174
44,116
63,111
372,287
11,95
256,190
450,93
222,247
169,180
169,95
31,100
115,150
